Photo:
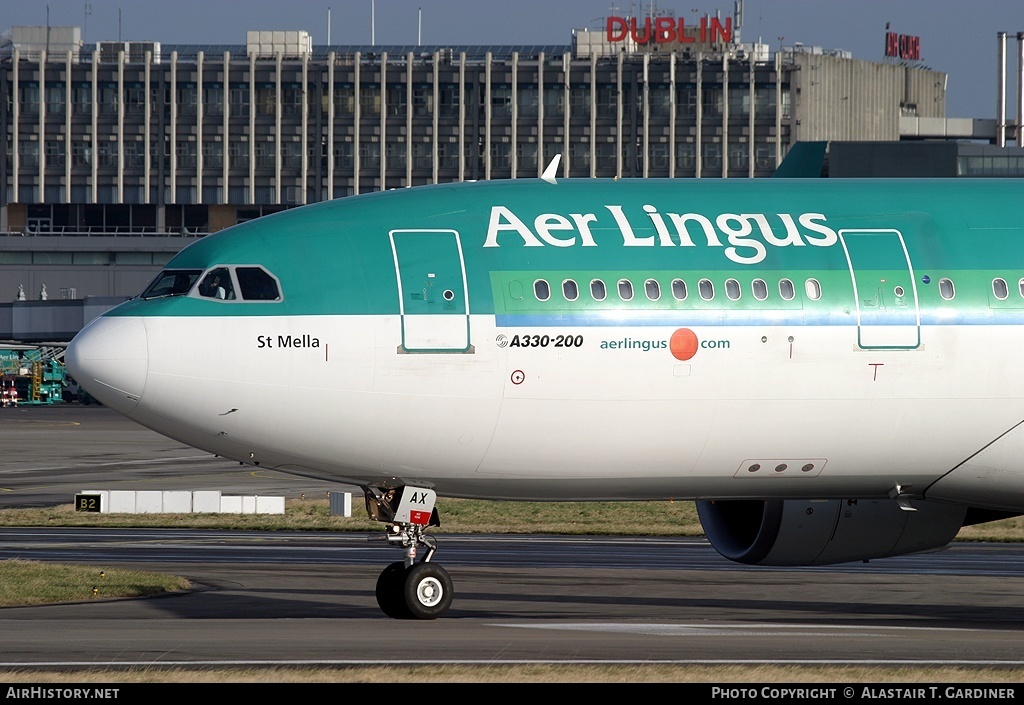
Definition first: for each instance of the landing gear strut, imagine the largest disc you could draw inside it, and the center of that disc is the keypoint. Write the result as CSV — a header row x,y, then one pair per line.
x,y
413,588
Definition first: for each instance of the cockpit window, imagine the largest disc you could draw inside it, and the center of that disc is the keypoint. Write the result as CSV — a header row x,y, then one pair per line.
x,y
257,284
217,285
171,282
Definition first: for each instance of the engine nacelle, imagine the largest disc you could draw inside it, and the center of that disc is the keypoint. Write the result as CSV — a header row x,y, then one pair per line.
x,y
798,532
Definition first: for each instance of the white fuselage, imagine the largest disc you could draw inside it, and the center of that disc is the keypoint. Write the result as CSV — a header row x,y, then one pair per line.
x,y
759,411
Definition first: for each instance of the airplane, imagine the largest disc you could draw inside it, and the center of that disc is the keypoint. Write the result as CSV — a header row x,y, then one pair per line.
x,y
827,367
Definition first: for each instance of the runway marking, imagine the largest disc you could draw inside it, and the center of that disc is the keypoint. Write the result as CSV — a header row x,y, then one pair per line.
x,y
729,630
135,663
87,465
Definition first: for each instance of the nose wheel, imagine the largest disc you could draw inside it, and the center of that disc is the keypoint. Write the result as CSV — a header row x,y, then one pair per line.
x,y
413,588
420,591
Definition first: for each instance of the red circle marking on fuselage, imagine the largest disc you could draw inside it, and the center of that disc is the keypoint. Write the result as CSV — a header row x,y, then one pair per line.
x,y
683,344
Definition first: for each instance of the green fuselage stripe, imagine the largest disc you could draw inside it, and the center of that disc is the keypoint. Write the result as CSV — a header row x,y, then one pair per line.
x,y
339,258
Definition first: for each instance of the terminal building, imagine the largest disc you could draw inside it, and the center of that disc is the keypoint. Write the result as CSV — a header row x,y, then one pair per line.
x,y
117,154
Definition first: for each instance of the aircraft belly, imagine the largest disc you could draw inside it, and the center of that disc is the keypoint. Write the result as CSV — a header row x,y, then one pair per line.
x,y
993,478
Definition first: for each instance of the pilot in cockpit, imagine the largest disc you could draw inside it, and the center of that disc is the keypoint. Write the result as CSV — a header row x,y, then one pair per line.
x,y
217,285
215,288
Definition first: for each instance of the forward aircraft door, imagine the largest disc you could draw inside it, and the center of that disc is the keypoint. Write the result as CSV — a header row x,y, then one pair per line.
x,y
432,292
884,290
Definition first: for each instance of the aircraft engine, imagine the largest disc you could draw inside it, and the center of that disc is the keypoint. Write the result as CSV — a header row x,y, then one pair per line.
x,y
820,532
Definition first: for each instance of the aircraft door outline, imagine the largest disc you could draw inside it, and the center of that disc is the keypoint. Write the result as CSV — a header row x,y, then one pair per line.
x,y
433,292
884,289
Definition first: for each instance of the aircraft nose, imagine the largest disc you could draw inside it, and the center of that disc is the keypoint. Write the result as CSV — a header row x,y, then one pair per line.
x,y
110,359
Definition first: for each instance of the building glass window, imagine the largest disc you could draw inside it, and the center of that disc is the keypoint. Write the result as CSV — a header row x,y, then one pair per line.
x,y
28,153
739,156
659,101
81,154
81,98
712,102
55,99
28,97
554,100
213,154
712,157
686,156
188,99
213,99
54,153
369,100
607,101
185,153
266,157
238,100
579,156
291,99
579,101
501,100
686,101
266,99
238,154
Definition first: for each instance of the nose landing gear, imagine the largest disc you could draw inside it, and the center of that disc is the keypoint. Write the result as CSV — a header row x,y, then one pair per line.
x,y
413,588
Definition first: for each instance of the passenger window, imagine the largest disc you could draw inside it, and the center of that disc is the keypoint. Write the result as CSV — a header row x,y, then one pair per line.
x,y
217,285
652,289
679,289
542,290
706,289
257,284
1020,285
813,289
732,289
999,288
786,289
625,289
598,290
947,291
760,289
570,290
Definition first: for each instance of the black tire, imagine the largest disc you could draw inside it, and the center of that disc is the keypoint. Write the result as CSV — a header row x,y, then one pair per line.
x,y
391,591
428,591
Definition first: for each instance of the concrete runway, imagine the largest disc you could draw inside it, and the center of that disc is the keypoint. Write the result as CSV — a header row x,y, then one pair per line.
x,y
50,453
296,598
